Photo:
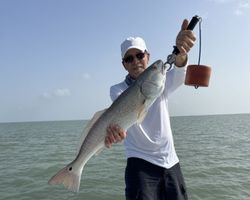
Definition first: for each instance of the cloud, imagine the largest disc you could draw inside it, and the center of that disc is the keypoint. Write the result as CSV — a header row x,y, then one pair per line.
x,y
222,1
46,95
61,92
242,7
85,76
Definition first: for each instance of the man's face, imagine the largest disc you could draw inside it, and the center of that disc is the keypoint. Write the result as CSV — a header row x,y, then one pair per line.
x,y
135,62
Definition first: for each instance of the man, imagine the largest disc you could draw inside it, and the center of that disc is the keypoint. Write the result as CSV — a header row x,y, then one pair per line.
x,y
153,170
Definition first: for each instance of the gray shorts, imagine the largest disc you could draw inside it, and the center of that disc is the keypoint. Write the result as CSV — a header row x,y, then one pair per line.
x,y
146,181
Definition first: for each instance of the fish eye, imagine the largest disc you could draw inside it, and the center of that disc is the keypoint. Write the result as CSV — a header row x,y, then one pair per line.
x,y
154,67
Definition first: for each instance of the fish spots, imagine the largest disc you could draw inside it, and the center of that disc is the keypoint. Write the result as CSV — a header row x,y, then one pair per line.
x,y
70,169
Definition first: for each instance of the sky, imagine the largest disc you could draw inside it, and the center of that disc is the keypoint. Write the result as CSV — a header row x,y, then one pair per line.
x,y
58,58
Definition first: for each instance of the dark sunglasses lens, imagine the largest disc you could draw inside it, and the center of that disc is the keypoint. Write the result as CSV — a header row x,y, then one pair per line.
x,y
140,56
129,59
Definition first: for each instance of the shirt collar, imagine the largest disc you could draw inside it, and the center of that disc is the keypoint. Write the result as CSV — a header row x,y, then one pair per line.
x,y
129,80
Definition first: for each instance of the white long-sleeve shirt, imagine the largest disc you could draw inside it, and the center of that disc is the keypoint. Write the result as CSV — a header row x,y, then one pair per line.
x,y
152,140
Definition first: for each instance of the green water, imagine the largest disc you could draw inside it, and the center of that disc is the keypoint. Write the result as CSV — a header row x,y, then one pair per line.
x,y
214,152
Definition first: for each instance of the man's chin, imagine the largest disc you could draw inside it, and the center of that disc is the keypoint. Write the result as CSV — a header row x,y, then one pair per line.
x,y
137,73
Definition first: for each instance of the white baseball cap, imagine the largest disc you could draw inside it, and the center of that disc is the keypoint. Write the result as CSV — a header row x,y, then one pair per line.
x,y
133,42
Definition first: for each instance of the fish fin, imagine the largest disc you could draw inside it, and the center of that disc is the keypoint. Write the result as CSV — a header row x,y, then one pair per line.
x,y
88,126
69,177
142,113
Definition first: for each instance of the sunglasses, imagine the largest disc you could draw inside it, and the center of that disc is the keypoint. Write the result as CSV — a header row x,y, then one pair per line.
x,y
130,58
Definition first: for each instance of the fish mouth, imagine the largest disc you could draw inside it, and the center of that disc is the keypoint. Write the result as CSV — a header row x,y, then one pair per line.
x,y
165,68
160,66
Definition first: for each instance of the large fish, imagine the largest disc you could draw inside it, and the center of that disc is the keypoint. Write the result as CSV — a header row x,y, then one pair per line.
x,y
129,108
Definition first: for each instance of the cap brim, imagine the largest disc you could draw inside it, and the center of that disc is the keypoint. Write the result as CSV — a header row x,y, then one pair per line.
x,y
134,47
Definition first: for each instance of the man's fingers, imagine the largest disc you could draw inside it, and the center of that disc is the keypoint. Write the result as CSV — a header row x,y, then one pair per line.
x,y
184,24
107,142
114,135
185,41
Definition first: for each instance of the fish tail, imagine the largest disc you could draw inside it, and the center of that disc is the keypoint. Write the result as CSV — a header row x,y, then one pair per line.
x,y
69,177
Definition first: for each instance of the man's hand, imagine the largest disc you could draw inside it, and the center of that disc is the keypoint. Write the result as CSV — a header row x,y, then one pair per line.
x,y
184,41
115,134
